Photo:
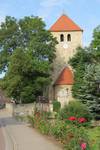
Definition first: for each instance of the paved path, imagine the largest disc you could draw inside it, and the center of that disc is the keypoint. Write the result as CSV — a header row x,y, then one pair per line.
x,y
20,137
2,142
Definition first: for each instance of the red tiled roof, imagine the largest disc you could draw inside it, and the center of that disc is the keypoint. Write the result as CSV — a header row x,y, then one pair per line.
x,y
65,78
64,23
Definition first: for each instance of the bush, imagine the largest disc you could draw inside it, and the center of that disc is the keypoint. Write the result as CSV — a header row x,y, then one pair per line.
x,y
44,126
76,109
45,114
58,130
56,106
40,121
70,135
76,138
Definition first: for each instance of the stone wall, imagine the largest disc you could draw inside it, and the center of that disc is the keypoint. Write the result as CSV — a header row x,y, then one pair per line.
x,y
23,109
10,108
64,54
63,93
62,57
44,107
27,109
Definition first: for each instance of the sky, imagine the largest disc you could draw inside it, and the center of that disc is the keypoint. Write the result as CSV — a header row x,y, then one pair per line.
x,y
86,13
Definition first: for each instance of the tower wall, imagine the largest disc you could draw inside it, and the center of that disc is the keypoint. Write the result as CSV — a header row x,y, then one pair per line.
x,y
64,54
69,37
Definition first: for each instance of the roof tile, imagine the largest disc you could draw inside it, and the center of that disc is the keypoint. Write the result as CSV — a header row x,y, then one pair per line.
x,y
64,23
65,78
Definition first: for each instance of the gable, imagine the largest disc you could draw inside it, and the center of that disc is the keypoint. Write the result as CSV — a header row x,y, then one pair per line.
x,y
64,23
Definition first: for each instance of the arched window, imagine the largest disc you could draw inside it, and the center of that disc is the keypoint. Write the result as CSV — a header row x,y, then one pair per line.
x,y
61,37
68,37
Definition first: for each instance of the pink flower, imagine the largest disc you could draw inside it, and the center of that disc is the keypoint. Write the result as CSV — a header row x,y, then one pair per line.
x,y
82,120
72,118
83,146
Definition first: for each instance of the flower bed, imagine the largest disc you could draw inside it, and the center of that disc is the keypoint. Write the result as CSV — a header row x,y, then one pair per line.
x,y
69,134
70,127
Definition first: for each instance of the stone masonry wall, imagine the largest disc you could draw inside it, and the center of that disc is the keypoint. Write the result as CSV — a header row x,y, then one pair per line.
x,y
63,55
63,93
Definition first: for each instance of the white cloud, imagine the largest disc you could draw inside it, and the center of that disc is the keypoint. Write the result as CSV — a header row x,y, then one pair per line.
x,y
46,6
3,12
2,17
52,3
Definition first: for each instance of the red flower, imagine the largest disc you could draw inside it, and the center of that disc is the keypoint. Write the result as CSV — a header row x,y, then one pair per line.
x,y
83,146
82,120
72,118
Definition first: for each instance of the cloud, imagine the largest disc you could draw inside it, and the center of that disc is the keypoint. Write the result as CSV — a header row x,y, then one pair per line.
x,y
46,6
52,3
2,17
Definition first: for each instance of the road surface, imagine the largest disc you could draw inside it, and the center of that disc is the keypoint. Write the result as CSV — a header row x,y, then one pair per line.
x,y
2,142
19,136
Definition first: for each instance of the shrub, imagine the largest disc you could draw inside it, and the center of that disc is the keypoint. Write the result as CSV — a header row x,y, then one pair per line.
x,y
76,109
56,106
70,135
44,126
76,139
41,122
58,130
45,114
78,121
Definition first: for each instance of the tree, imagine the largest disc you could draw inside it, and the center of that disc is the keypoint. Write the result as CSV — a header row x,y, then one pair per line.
x,y
91,95
96,37
86,65
79,62
27,51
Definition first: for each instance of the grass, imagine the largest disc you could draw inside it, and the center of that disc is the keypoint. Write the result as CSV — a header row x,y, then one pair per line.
x,y
94,136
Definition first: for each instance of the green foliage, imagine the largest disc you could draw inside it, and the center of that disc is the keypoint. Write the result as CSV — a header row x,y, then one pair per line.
x,y
27,51
91,97
68,134
79,62
86,66
56,106
96,37
45,114
76,109
58,130
94,138
71,136
75,137
44,126
39,121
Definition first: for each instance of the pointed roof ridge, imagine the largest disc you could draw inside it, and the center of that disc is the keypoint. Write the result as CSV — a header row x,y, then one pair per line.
x,y
64,23
65,78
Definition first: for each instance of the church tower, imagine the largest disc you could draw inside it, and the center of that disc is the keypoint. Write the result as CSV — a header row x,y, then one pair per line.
x,y
69,37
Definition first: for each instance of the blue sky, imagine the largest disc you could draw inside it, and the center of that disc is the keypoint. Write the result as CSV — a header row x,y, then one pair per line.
x,y
86,13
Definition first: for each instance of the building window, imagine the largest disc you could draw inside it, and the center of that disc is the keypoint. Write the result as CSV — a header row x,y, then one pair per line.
x,y
68,37
61,37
